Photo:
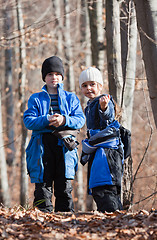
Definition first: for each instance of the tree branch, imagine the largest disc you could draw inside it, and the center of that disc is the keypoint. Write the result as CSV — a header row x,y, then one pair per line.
x,y
145,198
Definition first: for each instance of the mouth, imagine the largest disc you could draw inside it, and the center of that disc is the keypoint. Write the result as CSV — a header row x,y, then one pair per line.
x,y
55,82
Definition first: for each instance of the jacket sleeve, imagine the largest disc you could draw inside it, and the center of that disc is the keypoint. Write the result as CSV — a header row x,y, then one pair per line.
x,y
76,118
33,119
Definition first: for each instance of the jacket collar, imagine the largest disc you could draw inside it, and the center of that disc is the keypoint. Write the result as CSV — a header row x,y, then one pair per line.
x,y
59,87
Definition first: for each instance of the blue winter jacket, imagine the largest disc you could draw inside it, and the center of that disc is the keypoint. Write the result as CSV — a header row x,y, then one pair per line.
x,y
106,157
36,119
106,168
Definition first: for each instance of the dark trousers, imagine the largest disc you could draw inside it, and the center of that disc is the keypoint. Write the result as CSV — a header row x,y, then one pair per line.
x,y
106,198
54,178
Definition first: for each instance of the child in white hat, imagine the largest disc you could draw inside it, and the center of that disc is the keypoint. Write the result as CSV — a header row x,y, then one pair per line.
x,y
102,149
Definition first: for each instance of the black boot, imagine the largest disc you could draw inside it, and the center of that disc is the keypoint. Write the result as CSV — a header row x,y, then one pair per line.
x,y
43,198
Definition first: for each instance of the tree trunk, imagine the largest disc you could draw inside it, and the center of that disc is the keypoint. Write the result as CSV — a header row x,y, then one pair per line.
x,y
146,12
101,34
59,27
68,48
9,93
22,85
85,34
93,31
129,43
121,56
88,53
4,187
114,50
80,189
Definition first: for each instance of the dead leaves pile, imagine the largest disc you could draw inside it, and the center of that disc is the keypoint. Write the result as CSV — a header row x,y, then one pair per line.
x,y
18,223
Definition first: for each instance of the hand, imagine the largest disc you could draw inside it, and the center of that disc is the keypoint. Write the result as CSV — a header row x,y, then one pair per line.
x,y
56,120
103,101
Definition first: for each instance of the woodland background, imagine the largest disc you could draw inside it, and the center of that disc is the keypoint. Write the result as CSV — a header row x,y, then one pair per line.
x,y
77,31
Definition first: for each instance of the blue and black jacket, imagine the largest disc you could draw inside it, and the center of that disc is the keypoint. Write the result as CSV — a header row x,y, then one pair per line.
x,y
103,149
36,119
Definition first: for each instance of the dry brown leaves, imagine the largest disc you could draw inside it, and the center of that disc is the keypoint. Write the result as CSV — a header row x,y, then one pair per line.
x,y
18,223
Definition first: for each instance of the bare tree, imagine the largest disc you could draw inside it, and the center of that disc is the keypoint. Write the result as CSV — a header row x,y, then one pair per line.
x,y
22,85
115,76
93,30
147,27
4,186
101,35
85,35
128,49
68,47
88,56
129,44
8,87
121,56
59,26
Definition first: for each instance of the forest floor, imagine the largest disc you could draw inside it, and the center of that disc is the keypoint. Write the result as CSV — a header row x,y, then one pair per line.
x,y
32,224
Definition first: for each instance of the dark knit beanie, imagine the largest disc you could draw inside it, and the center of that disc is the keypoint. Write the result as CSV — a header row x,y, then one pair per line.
x,y
52,64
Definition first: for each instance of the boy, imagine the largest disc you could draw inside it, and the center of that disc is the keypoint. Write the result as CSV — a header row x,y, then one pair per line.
x,y
54,116
102,150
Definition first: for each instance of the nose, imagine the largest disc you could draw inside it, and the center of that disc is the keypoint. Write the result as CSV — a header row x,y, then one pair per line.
x,y
54,75
88,87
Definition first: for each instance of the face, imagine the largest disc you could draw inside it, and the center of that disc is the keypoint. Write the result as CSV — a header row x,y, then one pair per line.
x,y
52,79
91,89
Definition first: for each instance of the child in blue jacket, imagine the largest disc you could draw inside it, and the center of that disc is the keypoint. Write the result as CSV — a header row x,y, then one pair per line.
x,y
102,149
54,116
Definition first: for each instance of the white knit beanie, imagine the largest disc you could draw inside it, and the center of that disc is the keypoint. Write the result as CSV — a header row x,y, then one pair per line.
x,y
90,74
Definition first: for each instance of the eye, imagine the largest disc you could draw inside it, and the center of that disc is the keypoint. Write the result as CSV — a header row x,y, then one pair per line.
x,y
84,85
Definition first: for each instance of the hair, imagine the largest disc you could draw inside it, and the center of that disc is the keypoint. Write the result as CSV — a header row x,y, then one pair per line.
x,y
118,111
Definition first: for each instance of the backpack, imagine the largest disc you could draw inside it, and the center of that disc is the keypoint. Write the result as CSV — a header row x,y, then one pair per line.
x,y
125,136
